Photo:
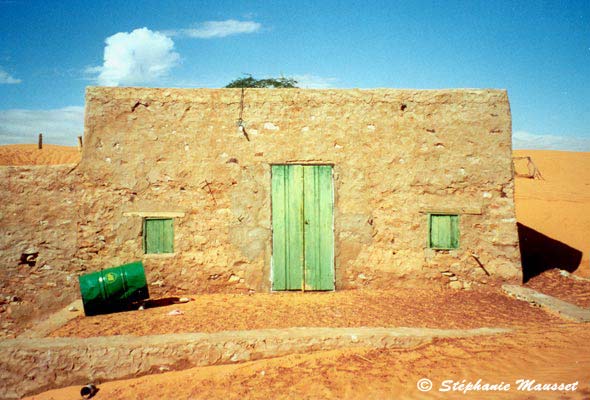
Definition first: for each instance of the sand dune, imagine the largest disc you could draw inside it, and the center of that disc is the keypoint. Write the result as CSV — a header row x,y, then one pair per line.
x,y
557,206
29,154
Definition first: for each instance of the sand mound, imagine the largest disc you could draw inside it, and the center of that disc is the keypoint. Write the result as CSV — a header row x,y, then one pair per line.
x,y
29,154
557,206
547,354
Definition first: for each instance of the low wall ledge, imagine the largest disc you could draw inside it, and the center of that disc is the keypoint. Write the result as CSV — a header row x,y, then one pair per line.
x,y
452,210
154,214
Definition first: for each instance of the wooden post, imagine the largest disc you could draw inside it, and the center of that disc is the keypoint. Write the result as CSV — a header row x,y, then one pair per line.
x,y
40,141
80,143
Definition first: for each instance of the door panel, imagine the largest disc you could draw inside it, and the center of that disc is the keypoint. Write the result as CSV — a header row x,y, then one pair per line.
x,y
318,236
287,221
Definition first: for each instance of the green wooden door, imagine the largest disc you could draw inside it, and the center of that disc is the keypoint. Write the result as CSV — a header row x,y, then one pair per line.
x,y
303,239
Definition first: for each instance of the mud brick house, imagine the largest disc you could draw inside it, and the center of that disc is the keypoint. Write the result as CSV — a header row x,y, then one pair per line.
x,y
282,189
299,189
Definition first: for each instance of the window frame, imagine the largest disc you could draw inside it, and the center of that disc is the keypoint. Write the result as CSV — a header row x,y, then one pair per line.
x,y
456,233
145,235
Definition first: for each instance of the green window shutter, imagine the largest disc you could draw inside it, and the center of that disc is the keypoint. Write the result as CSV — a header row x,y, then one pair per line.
x,y
443,231
167,235
158,235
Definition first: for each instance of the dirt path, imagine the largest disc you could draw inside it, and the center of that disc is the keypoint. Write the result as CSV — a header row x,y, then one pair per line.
x,y
549,354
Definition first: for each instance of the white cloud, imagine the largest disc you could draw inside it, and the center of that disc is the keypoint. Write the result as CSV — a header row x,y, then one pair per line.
x,y
138,57
217,29
6,78
530,141
59,126
308,81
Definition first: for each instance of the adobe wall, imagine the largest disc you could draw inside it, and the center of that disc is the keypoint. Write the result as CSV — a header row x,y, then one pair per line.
x,y
397,154
39,214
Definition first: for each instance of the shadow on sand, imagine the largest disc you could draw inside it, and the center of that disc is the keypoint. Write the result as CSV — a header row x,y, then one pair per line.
x,y
540,253
166,301
134,305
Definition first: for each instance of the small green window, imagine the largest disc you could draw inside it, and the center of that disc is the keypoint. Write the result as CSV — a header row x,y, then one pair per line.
x,y
158,235
443,231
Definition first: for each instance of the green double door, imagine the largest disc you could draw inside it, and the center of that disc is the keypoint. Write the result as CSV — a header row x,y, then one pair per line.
x,y
302,227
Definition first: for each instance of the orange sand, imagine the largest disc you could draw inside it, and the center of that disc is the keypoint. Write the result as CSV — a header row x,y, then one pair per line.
x,y
555,353
29,154
559,205
424,308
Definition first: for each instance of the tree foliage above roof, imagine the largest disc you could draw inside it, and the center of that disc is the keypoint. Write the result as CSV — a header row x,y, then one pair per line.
x,y
251,82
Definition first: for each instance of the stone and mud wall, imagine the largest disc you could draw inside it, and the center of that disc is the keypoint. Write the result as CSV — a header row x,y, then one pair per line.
x,y
397,155
38,241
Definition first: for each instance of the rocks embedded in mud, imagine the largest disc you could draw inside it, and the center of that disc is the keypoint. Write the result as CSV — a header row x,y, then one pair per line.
x,y
456,285
10,299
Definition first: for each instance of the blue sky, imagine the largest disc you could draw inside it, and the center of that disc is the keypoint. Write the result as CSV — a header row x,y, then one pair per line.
x,y
538,50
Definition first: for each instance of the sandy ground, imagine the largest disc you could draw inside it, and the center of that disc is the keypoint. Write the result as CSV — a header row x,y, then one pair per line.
x,y
554,284
556,353
401,307
29,154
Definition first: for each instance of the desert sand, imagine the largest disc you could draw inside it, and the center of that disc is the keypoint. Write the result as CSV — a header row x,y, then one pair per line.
x,y
29,154
423,308
542,346
557,206
548,354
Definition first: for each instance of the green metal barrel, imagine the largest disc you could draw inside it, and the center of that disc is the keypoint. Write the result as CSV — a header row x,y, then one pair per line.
x,y
113,289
